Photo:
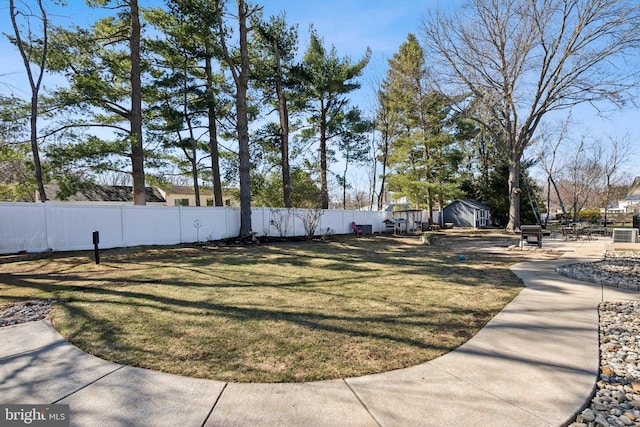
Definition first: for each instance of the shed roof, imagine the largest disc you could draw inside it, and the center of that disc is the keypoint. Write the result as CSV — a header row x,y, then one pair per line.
x,y
473,204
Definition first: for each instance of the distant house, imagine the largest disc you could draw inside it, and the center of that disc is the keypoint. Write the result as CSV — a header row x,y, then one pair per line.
x,y
467,213
182,195
630,204
103,194
123,194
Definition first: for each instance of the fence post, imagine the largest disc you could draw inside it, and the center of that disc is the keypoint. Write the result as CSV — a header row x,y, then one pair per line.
x,y
180,223
123,225
47,219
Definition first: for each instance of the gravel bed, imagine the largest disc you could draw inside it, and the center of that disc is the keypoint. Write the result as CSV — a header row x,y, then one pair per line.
x,y
27,311
617,269
617,399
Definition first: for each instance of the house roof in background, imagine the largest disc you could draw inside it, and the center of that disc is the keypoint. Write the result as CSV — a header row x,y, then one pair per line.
x,y
104,193
397,207
634,190
186,190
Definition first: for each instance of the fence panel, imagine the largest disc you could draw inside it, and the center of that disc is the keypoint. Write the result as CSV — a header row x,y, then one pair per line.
x,y
231,223
70,227
335,222
260,221
200,225
23,226
152,225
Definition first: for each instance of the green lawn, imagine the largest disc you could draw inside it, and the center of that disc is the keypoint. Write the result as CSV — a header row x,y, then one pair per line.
x,y
280,312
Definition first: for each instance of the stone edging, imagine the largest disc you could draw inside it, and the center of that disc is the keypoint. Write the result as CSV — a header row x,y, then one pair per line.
x,y
601,278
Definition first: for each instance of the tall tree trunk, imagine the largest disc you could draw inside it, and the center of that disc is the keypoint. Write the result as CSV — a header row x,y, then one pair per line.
x,y
193,154
284,130
557,190
194,174
514,192
546,220
213,129
240,73
383,177
324,187
34,148
344,182
243,156
193,158
35,89
137,153
243,125
428,179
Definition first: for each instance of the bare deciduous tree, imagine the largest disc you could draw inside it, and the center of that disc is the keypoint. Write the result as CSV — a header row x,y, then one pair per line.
x,y
584,172
33,49
522,59
547,154
612,163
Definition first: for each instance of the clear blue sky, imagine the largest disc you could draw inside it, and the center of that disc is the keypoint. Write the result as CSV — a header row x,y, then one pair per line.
x,y
350,25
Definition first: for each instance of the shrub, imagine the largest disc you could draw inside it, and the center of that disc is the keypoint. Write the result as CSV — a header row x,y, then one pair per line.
x,y
591,215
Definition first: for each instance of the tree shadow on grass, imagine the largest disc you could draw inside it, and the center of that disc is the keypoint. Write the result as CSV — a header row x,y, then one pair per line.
x,y
403,327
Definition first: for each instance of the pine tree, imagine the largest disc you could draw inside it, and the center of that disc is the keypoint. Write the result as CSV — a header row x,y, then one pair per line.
x,y
328,79
423,155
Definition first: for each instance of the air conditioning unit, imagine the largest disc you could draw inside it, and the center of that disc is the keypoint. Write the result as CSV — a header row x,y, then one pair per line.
x,y
625,235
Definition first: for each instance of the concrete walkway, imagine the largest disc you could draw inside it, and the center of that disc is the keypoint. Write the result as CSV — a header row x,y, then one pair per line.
x,y
534,364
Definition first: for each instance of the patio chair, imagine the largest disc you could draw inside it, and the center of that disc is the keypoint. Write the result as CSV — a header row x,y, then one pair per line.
x,y
356,230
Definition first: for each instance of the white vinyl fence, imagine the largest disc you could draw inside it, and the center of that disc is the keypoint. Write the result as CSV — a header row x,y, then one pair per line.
x,y
66,227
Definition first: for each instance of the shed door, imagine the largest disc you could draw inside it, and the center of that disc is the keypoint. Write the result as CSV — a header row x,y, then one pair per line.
x,y
481,218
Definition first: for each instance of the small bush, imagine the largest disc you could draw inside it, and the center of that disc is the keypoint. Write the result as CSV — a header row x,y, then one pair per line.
x,y
591,215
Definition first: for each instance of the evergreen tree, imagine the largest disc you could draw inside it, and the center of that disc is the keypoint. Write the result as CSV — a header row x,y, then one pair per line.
x,y
17,180
239,64
353,143
180,88
275,45
193,24
267,189
327,81
103,69
423,156
387,124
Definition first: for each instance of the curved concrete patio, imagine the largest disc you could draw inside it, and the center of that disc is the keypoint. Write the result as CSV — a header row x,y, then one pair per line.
x,y
534,364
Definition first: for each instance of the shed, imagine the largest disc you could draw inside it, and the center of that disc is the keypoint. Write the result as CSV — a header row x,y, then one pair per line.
x,y
408,220
467,213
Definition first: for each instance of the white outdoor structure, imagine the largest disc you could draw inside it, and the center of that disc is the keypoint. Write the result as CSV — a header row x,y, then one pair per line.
x,y
37,227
